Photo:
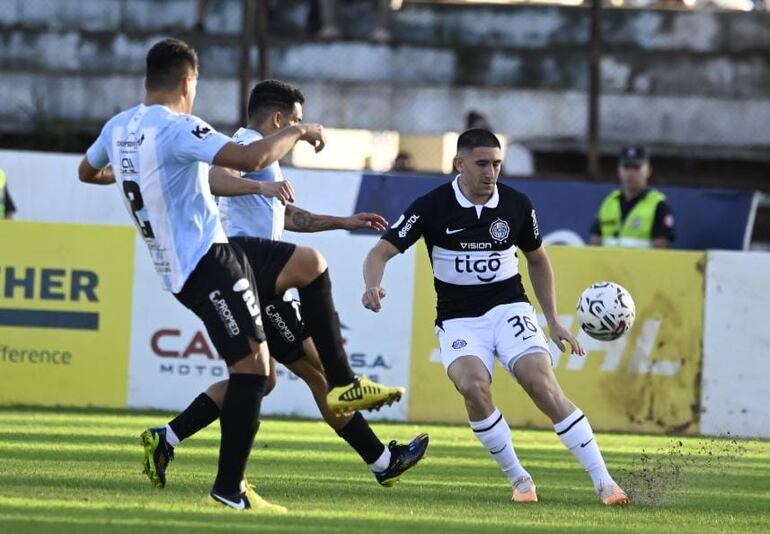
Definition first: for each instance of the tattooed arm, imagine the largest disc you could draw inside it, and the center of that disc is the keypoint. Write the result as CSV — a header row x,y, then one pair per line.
x,y
299,220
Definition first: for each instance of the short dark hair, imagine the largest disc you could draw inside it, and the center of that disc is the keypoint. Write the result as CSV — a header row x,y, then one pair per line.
x,y
168,61
476,137
272,95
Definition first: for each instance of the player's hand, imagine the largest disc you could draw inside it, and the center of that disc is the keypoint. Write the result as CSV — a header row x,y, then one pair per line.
x,y
314,134
365,220
372,299
282,190
559,334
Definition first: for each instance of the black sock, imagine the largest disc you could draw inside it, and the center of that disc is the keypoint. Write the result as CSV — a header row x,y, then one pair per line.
x,y
239,420
362,438
324,325
198,415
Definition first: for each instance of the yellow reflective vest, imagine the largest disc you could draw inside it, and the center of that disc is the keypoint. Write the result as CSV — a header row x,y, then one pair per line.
x,y
636,230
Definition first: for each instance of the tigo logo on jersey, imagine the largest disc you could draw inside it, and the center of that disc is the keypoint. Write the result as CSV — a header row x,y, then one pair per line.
x,y
499,230
491,264
408,226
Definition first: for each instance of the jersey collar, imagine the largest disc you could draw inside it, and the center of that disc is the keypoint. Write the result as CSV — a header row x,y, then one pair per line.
x,y
465,203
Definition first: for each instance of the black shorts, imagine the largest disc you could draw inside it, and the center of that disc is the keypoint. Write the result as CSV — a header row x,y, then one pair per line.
x,y
284,329
221,291
267,259
282,320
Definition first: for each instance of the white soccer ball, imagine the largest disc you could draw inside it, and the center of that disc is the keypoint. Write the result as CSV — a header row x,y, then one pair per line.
x,y
606,311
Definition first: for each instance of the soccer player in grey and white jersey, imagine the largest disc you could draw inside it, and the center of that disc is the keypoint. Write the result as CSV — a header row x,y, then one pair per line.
x,y
275,105
160,155
473,228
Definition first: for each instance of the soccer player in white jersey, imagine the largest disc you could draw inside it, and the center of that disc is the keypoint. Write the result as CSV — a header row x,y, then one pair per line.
x,y
273,106
474,228
160,154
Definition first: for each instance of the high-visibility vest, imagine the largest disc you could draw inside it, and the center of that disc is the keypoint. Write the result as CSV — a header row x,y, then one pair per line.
x,y
3,181
636,230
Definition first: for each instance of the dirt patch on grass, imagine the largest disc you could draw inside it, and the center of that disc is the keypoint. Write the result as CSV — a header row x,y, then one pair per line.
x,y
654,476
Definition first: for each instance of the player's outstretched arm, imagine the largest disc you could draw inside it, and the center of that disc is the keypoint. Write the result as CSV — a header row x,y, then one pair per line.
x,y
266,151
541,275
91,175
374,270
226,182
299,220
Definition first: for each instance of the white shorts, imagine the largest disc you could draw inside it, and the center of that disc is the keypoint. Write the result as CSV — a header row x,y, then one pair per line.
x,y
508,331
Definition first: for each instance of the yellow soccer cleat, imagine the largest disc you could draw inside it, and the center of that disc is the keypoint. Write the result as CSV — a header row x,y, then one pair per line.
x,y
362,394
247,498
158,453
613,495
524,490
258,503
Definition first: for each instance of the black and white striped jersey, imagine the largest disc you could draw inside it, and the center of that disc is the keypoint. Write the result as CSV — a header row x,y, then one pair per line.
x,y
472,248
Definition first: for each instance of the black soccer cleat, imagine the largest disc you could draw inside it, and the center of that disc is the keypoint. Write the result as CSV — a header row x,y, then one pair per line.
x,y
157,455
402,458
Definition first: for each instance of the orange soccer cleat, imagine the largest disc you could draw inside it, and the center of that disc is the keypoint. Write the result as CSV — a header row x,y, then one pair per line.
x,y
524,490
613,495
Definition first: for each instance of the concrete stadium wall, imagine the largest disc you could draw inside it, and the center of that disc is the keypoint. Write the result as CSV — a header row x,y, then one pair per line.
x,y
695,362
681,78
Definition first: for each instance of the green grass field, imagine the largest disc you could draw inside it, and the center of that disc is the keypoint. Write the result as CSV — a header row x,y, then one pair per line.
x,y
79,471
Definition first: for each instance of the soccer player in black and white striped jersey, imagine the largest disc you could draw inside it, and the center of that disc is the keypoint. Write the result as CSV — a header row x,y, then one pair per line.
x,y
474,228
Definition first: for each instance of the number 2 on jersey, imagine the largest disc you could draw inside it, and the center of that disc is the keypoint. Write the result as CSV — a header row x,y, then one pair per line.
x,y
134,196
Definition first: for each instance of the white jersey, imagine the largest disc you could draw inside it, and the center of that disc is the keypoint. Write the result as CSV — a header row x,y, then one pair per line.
x,y
254,215
161,161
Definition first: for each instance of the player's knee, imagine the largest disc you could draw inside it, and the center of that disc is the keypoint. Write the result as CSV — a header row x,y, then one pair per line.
x,y
313,262
538,386
474,389
257,363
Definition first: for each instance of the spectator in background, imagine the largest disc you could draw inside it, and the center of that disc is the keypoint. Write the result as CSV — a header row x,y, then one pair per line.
x,y
326,11
200,15
403,163
634,216
476,119
7,207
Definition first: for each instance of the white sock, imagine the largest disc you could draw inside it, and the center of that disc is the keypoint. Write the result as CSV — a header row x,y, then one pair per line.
x,y
495,434
382,463
171,437
576,434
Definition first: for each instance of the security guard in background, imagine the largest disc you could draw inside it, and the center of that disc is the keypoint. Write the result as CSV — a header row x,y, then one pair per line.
x,y
634,215
7,207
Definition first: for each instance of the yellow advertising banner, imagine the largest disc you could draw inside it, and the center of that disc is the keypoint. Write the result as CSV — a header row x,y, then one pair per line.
x,y
65,313
646,381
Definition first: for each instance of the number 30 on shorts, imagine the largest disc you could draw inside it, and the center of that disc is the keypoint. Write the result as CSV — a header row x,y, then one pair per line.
x,y
521,323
